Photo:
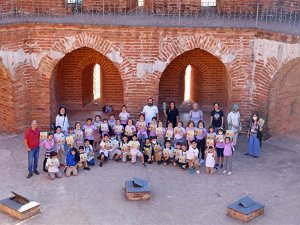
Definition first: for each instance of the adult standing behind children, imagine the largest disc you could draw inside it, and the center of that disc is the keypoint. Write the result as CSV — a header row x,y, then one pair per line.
x,y
150,111
32,144
62,120
172,114
196,114
234,122
217,117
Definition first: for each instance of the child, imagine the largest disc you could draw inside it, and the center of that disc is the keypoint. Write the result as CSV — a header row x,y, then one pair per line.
x,y
104,127
71,162
141,128
115,151
134,146
210,137
70,139
168,153
48,144
52,164
170,132
190,131
111,123
228,152
105,148
59,146
182,158
97,137
220,148
152,128
210,159
124,116
130,130
148,152
200,137
176,153
192,157
125,149
88,150
118,130
179,133
157,151
78,134
83,158
89,131
160,133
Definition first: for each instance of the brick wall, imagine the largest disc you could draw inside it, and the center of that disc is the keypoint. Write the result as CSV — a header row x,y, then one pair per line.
x,y
284,100
207,80
47,62
7,111
57,7
72,81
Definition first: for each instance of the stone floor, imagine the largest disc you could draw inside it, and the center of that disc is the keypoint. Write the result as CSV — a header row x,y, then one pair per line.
x,y
97,196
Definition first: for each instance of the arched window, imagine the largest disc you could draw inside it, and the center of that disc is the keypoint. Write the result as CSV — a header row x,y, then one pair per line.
x,y
97,82
208,2
140,2
187,83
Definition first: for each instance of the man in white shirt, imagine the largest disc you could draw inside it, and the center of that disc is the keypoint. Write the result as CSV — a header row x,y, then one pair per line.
x,y
150,111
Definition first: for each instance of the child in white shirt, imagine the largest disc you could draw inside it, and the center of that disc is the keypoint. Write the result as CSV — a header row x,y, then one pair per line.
x,y
53,164
134,146
192,157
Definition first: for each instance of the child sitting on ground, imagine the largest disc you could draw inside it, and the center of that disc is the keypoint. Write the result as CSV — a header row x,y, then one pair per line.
x,y
157,151
192,157
176,153
83,159
88,150
115,152
134,146
182,158
148,152
210,161
48,144
125,149
168,153
105,148
52,164
71,162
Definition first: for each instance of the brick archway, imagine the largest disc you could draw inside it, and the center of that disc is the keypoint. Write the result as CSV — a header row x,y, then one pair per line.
x,y
284,100
72,82
237,78
7,108
209,80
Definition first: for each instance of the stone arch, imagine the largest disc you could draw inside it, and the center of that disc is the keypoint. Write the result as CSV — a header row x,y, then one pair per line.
x,y
7,107
72,82
70,43
283,108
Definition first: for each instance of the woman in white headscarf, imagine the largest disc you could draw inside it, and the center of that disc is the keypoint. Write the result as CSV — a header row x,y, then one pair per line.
x,y
196,114
234,122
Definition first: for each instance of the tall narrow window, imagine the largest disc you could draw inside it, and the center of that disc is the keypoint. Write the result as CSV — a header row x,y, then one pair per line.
x,y
140,2
187,83
96,82
208,2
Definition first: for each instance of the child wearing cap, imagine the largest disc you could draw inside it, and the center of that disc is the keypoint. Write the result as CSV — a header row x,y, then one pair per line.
x,y
192,157
52,164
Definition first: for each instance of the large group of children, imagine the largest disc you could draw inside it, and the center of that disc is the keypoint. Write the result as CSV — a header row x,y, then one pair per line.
x,y
122,139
